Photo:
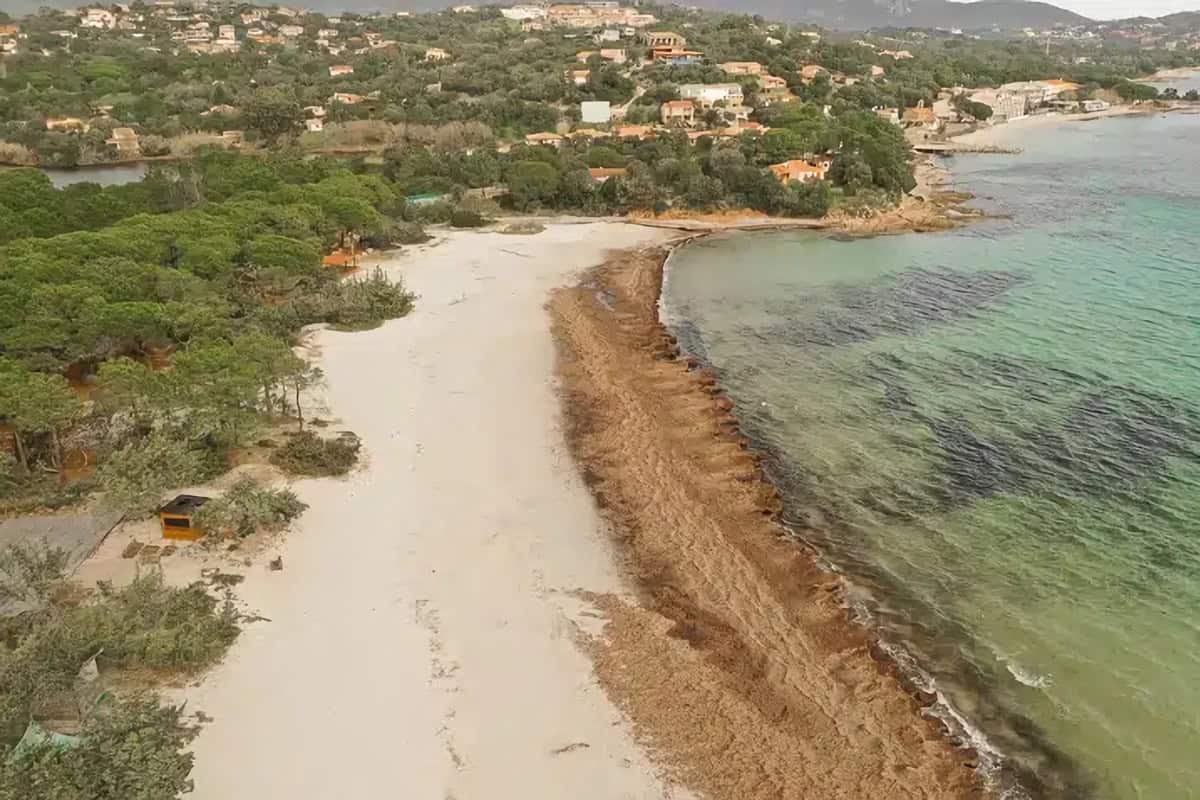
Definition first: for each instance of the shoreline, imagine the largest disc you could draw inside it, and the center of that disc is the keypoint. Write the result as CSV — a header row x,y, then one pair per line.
x,y
1006,132
742,615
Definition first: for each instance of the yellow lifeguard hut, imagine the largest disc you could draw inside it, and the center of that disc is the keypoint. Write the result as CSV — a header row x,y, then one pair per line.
x,y
178,517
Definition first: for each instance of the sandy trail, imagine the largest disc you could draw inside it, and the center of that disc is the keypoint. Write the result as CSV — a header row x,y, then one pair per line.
x,y
421,642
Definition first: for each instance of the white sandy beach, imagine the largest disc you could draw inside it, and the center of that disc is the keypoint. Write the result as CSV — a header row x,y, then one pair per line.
x,y
420,641
1010,133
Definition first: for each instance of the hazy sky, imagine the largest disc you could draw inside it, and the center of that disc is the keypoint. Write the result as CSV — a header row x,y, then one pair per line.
x,y
1121,9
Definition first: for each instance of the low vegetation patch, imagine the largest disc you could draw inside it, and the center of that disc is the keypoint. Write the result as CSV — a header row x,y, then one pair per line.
x,y
408,233
307,454
61,662
466,218
247,507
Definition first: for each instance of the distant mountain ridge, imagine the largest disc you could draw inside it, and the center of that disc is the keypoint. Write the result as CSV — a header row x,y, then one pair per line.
x,y
863,14
836,14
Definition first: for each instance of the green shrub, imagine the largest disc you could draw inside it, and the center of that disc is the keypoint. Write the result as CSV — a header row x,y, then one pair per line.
x,y
363,303
127,750
464,218
135,477
409,233
246,507
430,213
144,626
308,454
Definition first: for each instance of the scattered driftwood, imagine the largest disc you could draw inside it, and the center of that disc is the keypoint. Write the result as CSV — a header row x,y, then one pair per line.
x,y
573,746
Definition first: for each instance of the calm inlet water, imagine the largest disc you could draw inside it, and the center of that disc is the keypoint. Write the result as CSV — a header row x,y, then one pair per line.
x,y
996,433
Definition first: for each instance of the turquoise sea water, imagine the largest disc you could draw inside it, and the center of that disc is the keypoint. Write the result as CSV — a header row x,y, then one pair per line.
x,y
996,433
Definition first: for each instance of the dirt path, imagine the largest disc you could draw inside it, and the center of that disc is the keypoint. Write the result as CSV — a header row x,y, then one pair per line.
x,y
740,668
422,634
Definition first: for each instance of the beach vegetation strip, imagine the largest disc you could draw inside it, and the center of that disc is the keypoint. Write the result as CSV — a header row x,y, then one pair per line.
x,y
74,717
738,665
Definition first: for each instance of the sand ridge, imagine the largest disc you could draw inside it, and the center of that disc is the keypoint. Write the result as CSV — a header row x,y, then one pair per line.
x,y
739,668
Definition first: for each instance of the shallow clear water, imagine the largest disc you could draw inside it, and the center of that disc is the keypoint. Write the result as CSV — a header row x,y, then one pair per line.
x,y
996,432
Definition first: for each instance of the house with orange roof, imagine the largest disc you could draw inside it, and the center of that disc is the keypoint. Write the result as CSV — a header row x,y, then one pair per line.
x,y
799,170
922,116
678,112
634,132
603,174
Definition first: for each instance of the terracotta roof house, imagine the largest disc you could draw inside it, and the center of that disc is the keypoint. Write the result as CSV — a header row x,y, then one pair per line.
x,y
678,112
921,115
602,174
338,70
798,170
634,131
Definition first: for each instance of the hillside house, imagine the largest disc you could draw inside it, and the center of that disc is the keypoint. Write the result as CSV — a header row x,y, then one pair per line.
x,y
676,57
678,113
736,113
664,40
639,132
314,124
611,55
604,174
810,72
67,124
125,142
707,95
521,13
1005,106
579,77
799,170
548,139
743,68
436,54
346,98
921,117
891,115
98,19
338,70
